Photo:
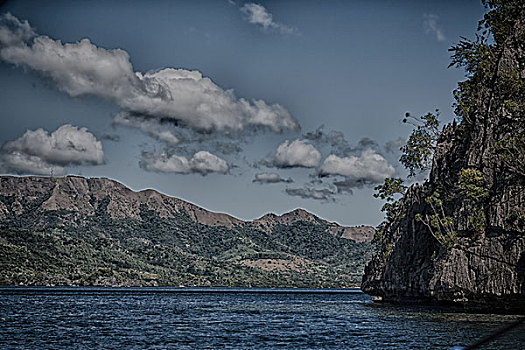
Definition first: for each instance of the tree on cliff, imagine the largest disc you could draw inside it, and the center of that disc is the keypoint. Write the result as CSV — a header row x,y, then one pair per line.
x,y
481,60
476,186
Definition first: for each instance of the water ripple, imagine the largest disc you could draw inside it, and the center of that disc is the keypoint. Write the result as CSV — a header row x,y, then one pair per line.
x,y
233,321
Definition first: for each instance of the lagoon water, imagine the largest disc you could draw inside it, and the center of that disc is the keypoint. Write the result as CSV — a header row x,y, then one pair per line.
x,y
193,318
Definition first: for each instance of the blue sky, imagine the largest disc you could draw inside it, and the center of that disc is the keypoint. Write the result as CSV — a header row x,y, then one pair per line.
x,y
269,106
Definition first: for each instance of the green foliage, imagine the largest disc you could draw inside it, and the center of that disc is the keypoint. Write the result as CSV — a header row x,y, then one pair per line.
x,y
390,188
388,250
416,156
501,17
440,225
471,184
512,87
479,58
511,152
474,56
378,235
390,191
69,248
477,220
418,151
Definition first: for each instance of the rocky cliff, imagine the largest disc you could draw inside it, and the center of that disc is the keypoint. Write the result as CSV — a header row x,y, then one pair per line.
x,y
483,266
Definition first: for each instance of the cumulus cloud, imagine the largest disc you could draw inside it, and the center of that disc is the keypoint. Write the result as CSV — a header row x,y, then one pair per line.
x,y
369,168
258,15
227,147
270,178
202,162
185,97
432,26
365,143
335,139
38,152
111,137
338,143
13,30
311,193
21,163
296,154
348,185
151,126
394,146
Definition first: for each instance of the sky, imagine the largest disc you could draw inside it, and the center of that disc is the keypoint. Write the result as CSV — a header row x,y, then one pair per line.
x,y
239,107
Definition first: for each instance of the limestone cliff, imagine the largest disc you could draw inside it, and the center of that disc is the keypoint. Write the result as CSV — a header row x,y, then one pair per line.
x,y
485,267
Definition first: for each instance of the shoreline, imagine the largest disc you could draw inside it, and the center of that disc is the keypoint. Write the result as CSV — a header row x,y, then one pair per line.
x,y
5,290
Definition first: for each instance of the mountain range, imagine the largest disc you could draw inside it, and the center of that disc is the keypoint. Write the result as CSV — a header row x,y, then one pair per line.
x,y
95,231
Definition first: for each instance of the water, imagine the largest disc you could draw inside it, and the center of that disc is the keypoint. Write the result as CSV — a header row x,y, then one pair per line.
x,y
173,318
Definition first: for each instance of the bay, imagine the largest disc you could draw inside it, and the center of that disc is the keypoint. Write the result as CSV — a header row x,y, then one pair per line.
x,y
232,318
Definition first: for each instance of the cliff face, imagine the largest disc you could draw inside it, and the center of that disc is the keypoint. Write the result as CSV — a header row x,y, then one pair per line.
x,y
485,268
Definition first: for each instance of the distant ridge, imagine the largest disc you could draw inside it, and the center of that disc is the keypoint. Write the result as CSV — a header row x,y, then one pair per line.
x,y
94,231
80,194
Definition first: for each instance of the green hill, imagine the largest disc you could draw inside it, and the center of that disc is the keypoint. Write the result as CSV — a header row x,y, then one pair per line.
x,y
78,231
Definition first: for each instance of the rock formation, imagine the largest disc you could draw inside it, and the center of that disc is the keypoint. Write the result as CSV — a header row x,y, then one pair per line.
x,y
484,268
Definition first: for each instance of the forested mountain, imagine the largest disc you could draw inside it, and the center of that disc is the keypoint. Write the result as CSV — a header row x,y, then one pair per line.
x,y
80,231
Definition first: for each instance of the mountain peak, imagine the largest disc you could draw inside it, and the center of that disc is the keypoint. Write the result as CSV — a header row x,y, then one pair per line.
x,y
87,196
50,225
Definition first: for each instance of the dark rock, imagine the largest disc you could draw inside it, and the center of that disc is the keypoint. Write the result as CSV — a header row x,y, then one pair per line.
x,y
483,270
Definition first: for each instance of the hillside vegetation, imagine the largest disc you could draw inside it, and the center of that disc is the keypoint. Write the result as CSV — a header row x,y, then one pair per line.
x,y
74,231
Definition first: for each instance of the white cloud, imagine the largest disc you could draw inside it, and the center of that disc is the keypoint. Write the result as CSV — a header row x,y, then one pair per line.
x,y
150,126
393,146
165,163
311,193
258,15
269,178
202,162
370,167
182,96
296,154
21,163
335,139
14,31
431,25
227,147
38,152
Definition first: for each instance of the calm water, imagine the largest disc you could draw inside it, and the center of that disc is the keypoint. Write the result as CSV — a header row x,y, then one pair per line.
x,y
164,318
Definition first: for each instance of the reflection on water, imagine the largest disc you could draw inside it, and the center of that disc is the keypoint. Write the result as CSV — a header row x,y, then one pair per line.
x,y
158,319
